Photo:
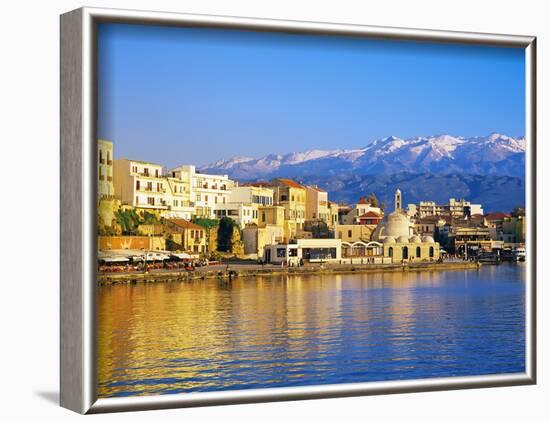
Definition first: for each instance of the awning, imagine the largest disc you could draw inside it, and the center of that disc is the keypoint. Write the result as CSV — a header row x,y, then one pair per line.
x,y
182,255
114,259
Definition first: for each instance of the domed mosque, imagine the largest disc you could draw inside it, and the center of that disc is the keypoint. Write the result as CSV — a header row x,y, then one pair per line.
x,y
399,238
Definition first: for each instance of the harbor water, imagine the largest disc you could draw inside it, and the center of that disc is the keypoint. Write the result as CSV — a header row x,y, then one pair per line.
x,y
277,331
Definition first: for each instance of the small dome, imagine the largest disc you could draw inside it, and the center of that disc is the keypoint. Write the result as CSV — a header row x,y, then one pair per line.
x,y
402,239
427,239
415,239
389,240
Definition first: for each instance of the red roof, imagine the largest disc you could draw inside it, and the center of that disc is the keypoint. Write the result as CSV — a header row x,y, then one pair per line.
x,y
288,182
371,214
497,215
183,223
257,184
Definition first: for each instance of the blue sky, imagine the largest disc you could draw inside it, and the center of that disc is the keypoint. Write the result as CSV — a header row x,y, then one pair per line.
x,y
177,95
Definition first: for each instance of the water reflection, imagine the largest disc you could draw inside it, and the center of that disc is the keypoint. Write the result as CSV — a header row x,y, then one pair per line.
x,y
289,331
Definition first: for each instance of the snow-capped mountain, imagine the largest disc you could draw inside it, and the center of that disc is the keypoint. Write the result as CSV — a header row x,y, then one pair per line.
x,y
495,154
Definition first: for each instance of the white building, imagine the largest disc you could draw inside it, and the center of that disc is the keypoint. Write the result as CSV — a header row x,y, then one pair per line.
x,y
140,184
310,250
455,208
250,194
242,213
361,208
206,190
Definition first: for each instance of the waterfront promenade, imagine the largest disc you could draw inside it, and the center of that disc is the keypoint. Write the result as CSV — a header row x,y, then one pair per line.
x,y
232,270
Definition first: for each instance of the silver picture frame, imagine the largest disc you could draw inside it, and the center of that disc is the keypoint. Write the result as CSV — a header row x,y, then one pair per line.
x,y
78,110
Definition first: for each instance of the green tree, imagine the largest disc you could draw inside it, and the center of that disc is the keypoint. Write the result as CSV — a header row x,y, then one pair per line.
x,y
225,233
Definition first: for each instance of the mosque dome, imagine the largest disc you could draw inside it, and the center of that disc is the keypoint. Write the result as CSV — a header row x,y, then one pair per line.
x,y
395,224
389,240
427,239
403,239
415,239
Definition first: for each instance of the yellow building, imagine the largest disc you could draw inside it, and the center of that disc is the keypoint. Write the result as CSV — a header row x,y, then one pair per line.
x,y
292,197
353,233
275,215
193,236
317,204
333,209
105,185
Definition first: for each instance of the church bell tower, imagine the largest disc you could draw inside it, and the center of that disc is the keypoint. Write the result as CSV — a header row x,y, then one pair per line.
x,y
398,200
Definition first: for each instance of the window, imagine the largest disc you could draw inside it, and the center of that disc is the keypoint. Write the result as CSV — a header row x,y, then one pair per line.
x,y
349,233
281,252
156,173
201,233
137,185
431,252
263,216
134,169
151,201
198,197
284,198
293,252
405,253
149,186
418,252
100,156
192,233
223,199
215,199
146,171
206,198
390,252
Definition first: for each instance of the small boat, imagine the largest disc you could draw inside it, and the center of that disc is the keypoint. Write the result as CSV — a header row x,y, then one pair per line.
x,y
520,254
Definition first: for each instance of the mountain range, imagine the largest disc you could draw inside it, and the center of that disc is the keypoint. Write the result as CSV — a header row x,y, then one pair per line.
x,y
486,169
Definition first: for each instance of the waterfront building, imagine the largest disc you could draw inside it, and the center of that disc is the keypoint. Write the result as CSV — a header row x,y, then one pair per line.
x,y
206,190
317,204
292,197
256,238
399,238
242,213
305,250
140,184
193,236
472,240
505,227
411,249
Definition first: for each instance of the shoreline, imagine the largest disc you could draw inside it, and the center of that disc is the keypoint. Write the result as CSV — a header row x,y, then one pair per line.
x,y
232,273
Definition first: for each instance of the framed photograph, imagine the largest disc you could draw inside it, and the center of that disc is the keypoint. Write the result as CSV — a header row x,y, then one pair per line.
x,y
263,210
